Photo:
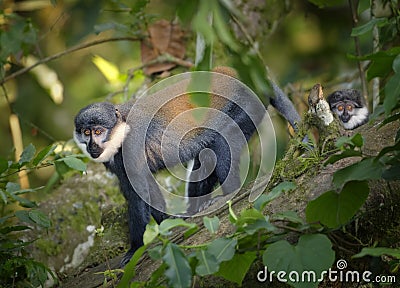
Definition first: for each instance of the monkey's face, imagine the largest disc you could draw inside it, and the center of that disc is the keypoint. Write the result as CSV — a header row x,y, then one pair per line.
x,y
92,140
99,131
349,106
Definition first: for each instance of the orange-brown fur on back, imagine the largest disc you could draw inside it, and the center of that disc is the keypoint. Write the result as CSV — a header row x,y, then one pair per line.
x,y
180,104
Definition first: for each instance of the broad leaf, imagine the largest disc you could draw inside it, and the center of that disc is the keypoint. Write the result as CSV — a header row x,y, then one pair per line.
x,y
207,263
345,154
9,229
40,218
129,270
74,163
43,154
212,224
356,140
378,251
366,169
249,216
222,248
360,30
167,225
151,232
27,155
236,269
392,93
3,196
178,273
23,216
304,262
289,215
264,199
335,209
3,165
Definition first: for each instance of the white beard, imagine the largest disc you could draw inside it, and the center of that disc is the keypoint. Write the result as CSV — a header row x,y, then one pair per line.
x,y
359,118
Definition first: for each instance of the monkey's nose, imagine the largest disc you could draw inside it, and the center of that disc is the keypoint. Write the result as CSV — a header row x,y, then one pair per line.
x,y
345,118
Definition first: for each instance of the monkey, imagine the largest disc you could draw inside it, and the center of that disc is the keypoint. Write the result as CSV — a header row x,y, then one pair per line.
x,y
214,146
350,107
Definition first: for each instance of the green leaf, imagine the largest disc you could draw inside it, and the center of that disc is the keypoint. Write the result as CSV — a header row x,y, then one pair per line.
x,y
212,224
366,169
178,273
23,201
289,215
188,11
378,251
155,252
27,155
392,173
3,196
360,30
313,253
12,187
207,263
389,149
222,248
40,218
3,165
222,28
392,93
61,167
236,269
43,154
23,216
356,140
259,224
396,64
5,218
129,270
73,163
9,229
335,209
151,232
248,216
264,199
345,154
167,225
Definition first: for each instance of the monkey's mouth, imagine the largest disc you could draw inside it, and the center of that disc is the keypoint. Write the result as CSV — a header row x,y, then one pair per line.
x,y
95,154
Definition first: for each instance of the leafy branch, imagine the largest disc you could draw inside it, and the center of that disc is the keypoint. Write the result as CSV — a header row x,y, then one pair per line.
x,y
66,52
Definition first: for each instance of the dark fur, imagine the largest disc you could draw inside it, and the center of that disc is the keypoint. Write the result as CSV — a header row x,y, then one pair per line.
x,y
227,155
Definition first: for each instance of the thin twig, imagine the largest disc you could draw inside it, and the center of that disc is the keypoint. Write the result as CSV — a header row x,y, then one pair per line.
x,y
353,9
66,52
375,48
163,58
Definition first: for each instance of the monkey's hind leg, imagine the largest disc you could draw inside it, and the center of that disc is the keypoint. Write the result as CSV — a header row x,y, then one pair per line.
x,y
201,183
138,217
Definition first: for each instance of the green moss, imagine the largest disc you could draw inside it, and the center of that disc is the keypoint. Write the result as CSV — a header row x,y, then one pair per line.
x,y
49,247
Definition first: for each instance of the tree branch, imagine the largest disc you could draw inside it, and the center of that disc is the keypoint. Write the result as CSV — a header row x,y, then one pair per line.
x,y
65,52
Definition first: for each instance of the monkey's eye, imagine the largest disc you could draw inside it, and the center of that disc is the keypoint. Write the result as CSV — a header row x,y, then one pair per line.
x,y
340,108
349,107
86,132
97,131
